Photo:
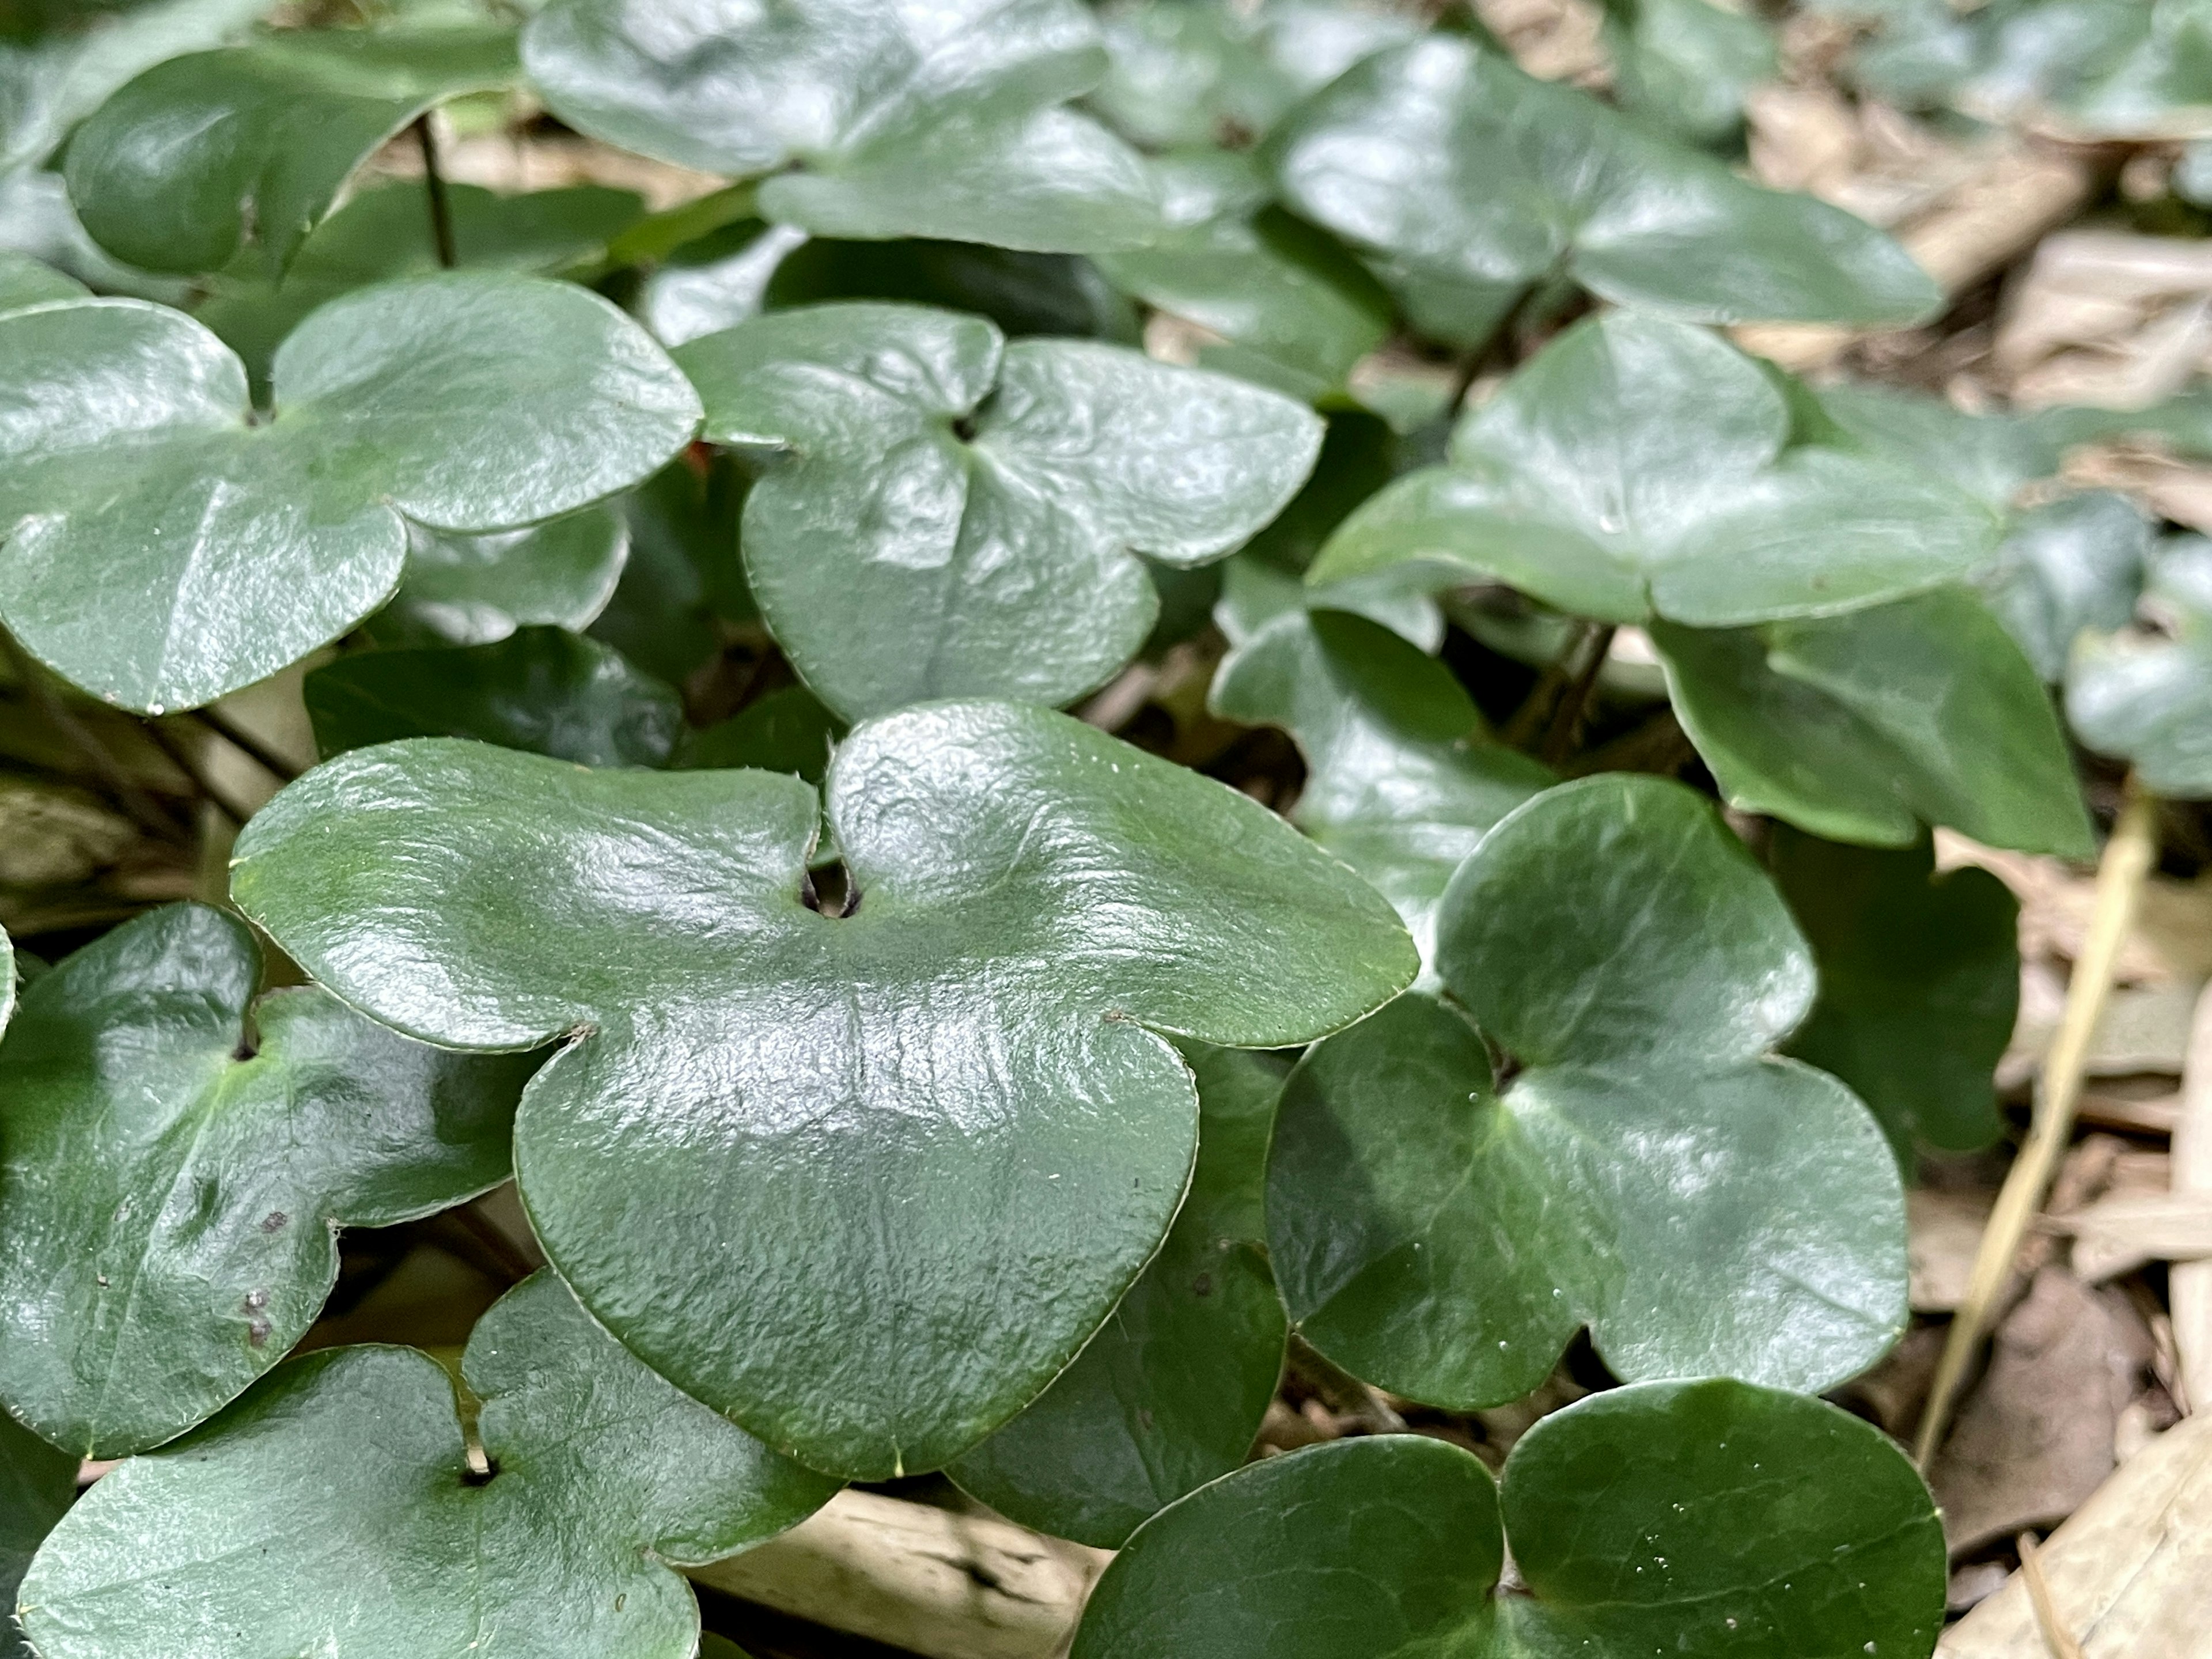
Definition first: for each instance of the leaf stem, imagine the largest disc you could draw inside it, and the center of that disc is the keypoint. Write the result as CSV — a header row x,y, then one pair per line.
x,y
2128,856
1567,718
118,784
245,742
183,759
433,181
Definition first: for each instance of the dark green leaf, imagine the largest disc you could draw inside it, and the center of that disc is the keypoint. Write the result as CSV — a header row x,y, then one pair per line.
x,y
472,590
1646,1172
28,282
541,688
1862,727
1709,1518
1401,779
198,154
787,731
331,1510
1920,983
1466,182
37,1482
1170,1393
833,1102
683,557
1024,293
877,119
164,547
1253,276
170,1198
1637,467
1198,72
919,467
2145,694
2077,563
386,232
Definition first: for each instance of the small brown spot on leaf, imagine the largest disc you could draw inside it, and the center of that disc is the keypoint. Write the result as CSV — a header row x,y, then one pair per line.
x,y
255,1301
274,1220
257,1332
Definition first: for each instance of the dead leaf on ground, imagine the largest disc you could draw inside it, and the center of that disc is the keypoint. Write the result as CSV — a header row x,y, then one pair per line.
x,y
2107,319
1943,1231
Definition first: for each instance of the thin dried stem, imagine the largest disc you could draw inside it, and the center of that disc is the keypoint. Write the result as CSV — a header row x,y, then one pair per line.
x,y
2056,1637
115,781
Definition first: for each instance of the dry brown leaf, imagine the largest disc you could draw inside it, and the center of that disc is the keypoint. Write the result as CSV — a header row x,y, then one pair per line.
x,y
2034,1438
2188,1286
2130,1573
1553,39
2108,320
2119,1233
1943,1231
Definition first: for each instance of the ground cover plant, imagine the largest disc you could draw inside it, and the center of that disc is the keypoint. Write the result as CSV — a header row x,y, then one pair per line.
x,y
1020,713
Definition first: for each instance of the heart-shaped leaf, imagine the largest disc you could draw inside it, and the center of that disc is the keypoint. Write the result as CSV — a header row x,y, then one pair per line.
x,y
1252,274
1444,1239
542,688
918,466
2145,696
1466,182
1183,75
56,77
200,154
170,1197
473,590
1402,782
877,118
333,1511
37,1484
1920,983
1709,1518
165,547
28,282
787,731
1170,1393
1862,727
790,1158
2072,564
387,232
1636,468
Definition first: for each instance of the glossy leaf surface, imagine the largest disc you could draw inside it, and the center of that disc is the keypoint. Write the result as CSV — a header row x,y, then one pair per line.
x,y
903,119
1647,1172
1862,727
165,547
959,1075
1466,182
1920,983
182,166
605,1478
1170,1392
1685,65
473,590
787,731
541,688
1710,1517
28,282
168,1209
920,471
1636,468
2145,694
1402,782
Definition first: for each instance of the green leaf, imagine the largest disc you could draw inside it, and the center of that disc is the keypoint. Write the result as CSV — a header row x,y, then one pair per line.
x,y
52,80
544,690
1251,274
331,1510
877,119
1647,1172
683,556
473,590
165,546
1712,1518
2145,694
199,155
1685,65
874,1114
1638,468
386,232
1920,983
1022,292
2073,564
1862,727
921,472
28,282
1402,782
37,1483
179,1157
787,731
1466,183
716,281
1182,73
1169,1394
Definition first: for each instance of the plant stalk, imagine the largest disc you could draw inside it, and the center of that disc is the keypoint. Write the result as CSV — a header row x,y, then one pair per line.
x,y
1567,718
245,742
433,181
117,783
2127,860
